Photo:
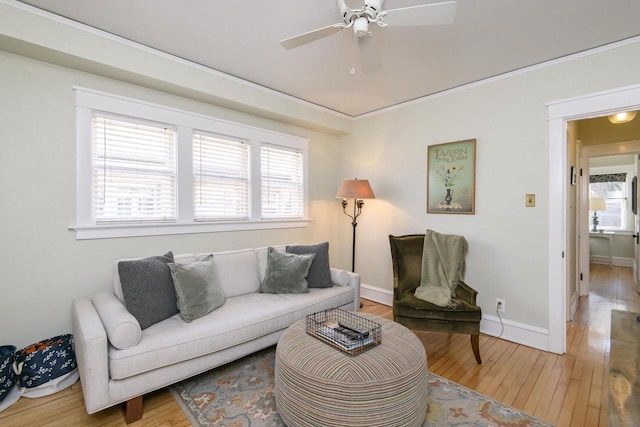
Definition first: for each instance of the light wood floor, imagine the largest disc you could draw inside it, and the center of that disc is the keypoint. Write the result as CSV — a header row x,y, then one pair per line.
x,y
567,390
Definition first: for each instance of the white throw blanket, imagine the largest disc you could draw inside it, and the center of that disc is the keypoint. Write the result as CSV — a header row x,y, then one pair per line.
x,y
443,267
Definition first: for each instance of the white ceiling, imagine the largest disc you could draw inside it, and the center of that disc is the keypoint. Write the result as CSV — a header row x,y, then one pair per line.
x,y
240,38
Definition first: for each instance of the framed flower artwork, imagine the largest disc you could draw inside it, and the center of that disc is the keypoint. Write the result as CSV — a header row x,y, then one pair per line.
x,y
451,177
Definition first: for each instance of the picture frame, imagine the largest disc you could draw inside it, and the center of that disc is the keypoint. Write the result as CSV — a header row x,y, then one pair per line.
x,y
451,177
573,175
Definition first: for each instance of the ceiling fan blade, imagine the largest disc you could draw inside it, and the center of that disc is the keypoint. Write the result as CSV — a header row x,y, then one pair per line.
x,y
311,36
426,14
369,55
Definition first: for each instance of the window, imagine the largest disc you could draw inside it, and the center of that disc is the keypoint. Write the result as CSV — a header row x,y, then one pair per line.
x,y
145,169
133,170
282,182
220,178
614,188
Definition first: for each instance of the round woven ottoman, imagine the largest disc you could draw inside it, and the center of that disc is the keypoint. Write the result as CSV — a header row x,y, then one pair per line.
x,y
318,385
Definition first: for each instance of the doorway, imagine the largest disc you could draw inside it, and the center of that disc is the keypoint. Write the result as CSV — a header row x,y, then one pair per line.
x,y
608,169
603,151
560,113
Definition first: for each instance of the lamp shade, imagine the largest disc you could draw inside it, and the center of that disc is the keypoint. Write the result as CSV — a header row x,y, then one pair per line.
x,y
597,204
355,189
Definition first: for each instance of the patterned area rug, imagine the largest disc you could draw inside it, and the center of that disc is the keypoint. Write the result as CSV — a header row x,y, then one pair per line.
x,y
240,394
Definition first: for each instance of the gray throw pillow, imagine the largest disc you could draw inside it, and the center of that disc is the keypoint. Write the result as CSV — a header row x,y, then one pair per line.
x,y
286,273
319,274
197,288
147,289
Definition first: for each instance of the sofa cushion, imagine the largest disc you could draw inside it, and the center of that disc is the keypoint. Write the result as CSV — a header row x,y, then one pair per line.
x,y
147,289
241,319
237,271
197,288
123,330
319,274
286,273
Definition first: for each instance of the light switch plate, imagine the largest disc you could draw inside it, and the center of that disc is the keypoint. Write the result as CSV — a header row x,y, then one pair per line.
x,y
530,200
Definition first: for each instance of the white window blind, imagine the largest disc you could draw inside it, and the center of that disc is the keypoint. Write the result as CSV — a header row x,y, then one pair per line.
x,y
221,178
134,170
282,182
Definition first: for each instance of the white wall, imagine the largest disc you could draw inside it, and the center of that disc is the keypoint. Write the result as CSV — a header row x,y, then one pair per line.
x,y
508,255
44,266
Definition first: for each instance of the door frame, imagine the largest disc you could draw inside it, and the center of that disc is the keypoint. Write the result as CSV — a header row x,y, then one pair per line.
x,y
559,113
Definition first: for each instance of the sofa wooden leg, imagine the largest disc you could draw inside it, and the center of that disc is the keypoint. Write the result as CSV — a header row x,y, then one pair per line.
x,y
133,410
475,345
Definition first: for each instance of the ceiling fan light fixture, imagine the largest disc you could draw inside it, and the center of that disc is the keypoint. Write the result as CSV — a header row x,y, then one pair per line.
x,y
361,27
622,117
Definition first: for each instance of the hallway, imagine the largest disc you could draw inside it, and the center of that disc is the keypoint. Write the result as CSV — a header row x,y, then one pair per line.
x,y
588,340
611,288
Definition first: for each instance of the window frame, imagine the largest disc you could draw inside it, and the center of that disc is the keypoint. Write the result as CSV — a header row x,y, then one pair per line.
x,y
186,123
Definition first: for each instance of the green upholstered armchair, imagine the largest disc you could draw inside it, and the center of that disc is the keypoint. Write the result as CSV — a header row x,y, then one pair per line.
x,y
415,313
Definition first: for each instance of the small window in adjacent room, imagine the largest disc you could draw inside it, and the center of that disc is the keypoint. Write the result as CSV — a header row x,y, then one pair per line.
x,y
614,188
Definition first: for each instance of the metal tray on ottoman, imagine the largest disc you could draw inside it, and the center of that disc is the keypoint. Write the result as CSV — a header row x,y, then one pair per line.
x,y
344,330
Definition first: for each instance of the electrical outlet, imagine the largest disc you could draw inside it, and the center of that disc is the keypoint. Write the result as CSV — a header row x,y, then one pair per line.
x,y
500,305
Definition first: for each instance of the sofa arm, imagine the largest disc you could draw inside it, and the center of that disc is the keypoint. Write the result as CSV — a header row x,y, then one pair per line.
x,y
91,344
346,278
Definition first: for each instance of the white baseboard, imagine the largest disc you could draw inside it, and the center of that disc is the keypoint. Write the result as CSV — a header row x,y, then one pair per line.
x,y
375,294
617,261
520,333
575,299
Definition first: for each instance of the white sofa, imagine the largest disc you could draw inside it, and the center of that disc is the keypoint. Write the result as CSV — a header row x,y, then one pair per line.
x,y
118,362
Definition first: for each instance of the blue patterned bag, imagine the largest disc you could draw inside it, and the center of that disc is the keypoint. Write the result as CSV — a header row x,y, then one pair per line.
x,y
7,376
43,362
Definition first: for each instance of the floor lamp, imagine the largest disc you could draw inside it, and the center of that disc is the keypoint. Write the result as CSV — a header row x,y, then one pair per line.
x,y
356,189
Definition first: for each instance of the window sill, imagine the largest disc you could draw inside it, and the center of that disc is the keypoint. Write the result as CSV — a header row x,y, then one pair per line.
x,y
110,231
613,231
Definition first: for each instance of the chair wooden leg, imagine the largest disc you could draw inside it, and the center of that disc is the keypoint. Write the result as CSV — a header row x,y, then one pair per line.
x,y
133,410
475,345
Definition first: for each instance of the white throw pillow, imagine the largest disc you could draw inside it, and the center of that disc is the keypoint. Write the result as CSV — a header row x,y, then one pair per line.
x,y
123,330
339,277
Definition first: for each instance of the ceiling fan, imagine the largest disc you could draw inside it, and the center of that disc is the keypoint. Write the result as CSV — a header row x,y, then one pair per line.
x,y
372,13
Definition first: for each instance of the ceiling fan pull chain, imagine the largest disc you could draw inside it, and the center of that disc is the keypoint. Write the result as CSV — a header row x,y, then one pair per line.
x,y
354,42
